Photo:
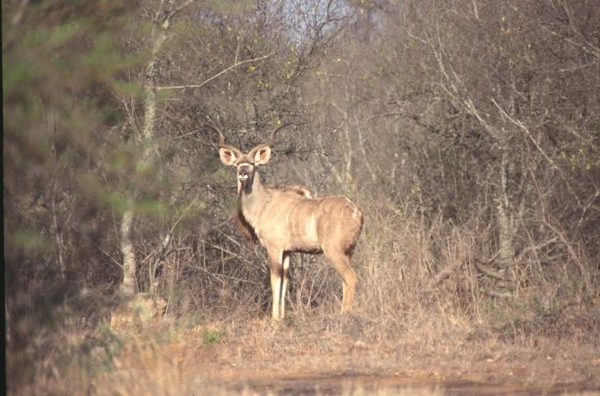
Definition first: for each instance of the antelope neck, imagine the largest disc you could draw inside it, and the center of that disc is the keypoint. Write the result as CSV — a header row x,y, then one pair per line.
x,y
253,198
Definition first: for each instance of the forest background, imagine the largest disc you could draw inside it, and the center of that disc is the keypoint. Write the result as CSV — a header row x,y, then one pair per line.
x,y
467,131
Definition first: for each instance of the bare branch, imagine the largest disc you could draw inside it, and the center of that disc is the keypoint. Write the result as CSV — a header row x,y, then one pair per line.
x,y
524,129
195,86
489,271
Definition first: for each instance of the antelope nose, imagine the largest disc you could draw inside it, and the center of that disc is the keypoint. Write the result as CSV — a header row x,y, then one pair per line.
x,y
244,173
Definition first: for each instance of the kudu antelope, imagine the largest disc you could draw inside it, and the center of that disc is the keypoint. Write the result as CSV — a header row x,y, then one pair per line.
x,y
289,220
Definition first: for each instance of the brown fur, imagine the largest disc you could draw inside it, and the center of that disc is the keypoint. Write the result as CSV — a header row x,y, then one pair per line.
x,y
244,227
242,224
300,190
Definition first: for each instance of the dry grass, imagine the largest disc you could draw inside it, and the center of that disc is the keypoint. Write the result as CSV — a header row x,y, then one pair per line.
x,y
423,324
328,355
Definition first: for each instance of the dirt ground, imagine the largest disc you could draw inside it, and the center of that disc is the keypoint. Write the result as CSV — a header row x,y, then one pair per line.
x,y
266,361
432,375
337,355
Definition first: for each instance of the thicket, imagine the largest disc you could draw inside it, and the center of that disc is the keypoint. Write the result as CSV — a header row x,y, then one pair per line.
x,y
469,134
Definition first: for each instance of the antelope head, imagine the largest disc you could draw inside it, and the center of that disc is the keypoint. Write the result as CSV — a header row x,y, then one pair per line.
x,y
245,164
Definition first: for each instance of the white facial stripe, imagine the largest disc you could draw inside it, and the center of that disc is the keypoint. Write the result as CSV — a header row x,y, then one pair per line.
x,y
245,166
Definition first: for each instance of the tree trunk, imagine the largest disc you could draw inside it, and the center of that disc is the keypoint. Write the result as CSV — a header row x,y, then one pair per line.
x,y
506,232
127,287
157,38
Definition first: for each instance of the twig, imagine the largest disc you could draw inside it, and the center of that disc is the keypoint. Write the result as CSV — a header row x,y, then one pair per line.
x,y
237,64
486,270
445,273
551,162
526,130
97,246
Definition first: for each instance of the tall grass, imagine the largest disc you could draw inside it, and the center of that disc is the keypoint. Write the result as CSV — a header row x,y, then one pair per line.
x,y
420,297
418,274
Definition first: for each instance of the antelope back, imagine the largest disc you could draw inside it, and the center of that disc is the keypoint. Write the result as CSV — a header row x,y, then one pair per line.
x,y
292,221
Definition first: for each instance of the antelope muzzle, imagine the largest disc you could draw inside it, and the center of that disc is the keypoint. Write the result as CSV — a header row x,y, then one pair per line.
x,y
245,172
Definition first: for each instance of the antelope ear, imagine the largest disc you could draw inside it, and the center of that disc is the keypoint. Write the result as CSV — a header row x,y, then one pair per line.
x,y
228,157
262,155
